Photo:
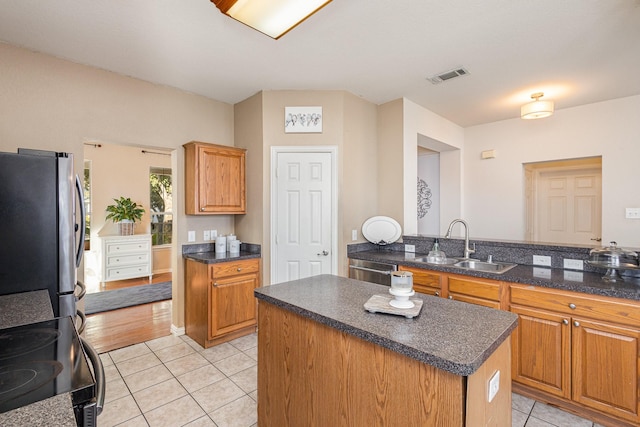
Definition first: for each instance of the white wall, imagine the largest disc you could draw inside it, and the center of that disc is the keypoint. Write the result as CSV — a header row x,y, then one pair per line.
x,y
426,128
494,189
429,172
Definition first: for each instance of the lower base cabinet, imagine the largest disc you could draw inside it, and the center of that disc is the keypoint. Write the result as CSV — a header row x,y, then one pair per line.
x,y
572,349
577,351
219,301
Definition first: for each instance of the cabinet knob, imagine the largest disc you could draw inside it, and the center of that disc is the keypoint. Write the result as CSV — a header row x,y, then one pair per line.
x,y
201,209
437,293
572,306
239,269
450,297
215,284
565,322
576,323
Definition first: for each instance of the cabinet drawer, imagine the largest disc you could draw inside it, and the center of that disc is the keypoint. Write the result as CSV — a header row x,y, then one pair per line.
x,y
475,288
127,272
128,259
233,268
423,277
114,248
574,304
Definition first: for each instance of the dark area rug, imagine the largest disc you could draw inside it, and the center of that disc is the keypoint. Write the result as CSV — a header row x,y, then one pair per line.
x,y
127,297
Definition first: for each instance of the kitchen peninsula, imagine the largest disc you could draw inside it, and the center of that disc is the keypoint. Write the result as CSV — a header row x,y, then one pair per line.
x,y
324,360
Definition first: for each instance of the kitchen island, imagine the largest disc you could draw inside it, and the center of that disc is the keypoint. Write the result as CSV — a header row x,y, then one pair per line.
x,y
324,360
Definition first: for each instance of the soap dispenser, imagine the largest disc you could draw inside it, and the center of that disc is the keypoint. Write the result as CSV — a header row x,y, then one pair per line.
x,y
435,254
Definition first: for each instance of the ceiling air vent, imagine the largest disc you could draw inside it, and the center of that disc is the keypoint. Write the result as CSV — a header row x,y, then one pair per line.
x,y
448,75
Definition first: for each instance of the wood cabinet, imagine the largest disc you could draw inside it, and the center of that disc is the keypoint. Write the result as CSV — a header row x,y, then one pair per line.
x,y
219,300
214,179
484,292
585,349
125,257
425,281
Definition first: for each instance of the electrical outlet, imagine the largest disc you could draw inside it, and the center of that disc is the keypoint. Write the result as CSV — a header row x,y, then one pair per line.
x,y
354,235
542,260
191,236
206,235
494,386
573,264
410,248
213,234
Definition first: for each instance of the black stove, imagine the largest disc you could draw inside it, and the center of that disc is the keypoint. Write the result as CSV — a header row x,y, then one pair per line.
x,y
42,360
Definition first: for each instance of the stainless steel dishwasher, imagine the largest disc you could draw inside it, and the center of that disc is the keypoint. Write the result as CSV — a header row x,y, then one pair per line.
x,y
371,271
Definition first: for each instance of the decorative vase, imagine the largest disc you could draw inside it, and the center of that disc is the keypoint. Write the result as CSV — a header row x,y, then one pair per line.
x,y
125,227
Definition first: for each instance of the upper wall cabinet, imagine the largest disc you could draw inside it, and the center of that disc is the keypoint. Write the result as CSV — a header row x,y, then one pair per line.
x,y
214,179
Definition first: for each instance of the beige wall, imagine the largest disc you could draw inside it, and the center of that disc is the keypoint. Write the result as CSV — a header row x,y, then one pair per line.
x,y
49,103
349,124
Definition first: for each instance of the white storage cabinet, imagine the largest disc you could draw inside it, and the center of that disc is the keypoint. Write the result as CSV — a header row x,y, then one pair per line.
x,y
126,257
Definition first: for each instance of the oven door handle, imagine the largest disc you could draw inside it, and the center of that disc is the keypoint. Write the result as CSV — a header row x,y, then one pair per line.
x,y
98,371
387,272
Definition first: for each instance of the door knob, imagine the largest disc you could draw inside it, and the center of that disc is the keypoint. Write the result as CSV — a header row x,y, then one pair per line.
x,y
324,253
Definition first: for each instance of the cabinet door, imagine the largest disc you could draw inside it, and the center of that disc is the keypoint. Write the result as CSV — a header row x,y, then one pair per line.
x,y
541,351
221,186
232,305
605,371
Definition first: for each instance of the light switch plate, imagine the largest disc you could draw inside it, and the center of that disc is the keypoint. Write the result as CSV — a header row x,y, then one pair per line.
x,y
354,235
632,213
206,235
410,248
191,236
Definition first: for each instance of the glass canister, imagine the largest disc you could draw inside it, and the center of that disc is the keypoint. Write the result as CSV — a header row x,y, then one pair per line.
x,y
402,281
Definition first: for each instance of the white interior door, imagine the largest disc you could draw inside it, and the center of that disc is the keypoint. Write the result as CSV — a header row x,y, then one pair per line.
x,y
303,215
569,206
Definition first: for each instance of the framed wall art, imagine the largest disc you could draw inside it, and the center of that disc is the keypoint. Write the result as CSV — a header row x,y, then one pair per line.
x,y
303,119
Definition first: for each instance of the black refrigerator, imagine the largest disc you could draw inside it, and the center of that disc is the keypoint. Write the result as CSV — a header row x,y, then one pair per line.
x,y
41,226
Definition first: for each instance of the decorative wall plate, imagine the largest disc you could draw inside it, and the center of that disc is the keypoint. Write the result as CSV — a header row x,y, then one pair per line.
x,y
381,230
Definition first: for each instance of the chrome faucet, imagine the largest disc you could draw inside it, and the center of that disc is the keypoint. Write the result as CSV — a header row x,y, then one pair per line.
x,y
467,251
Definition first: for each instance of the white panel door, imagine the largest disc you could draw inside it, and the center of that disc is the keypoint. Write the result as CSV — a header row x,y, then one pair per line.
x,y
569,206
303,215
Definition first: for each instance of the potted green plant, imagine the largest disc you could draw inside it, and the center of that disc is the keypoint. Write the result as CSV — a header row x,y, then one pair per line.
x,y
125,213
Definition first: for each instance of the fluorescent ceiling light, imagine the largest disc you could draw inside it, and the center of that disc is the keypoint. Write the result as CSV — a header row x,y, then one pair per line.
x,y
271,17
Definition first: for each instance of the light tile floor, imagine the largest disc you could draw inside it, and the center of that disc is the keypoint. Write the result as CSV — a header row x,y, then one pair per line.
x,y
173,381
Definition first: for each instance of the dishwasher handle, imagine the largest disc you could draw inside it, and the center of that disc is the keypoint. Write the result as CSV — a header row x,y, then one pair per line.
x,y
373,270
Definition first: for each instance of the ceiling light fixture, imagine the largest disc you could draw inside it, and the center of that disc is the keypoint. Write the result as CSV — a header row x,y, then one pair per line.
x,y
274,18
537,109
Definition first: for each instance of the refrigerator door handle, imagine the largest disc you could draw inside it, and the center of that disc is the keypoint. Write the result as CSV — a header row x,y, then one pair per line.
x,y
83,220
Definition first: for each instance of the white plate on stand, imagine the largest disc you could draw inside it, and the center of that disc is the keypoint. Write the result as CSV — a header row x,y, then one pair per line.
x,y
381,230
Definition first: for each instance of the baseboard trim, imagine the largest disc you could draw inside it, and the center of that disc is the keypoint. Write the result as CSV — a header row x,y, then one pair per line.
x,y
176,330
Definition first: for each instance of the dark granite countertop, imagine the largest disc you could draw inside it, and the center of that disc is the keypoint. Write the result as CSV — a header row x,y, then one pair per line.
x,y
206,254
569,280
24,308
20,309
450,335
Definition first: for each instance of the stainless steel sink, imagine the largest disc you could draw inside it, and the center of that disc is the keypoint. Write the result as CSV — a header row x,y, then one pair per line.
x,y
488,267
446,261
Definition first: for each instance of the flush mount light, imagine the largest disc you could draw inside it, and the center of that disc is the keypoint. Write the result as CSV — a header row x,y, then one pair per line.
x,y
272,17
537,109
